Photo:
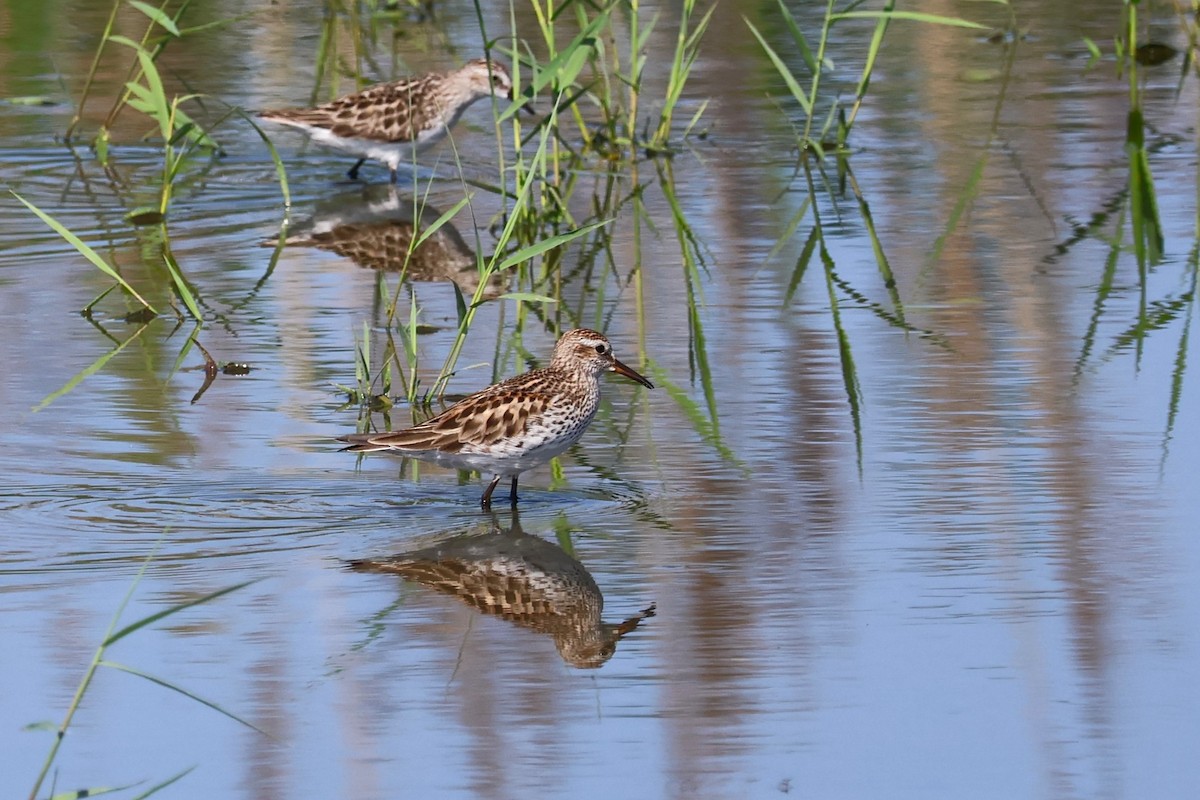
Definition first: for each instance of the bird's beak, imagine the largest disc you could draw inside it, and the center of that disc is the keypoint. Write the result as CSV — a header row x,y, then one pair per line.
x,y
630,373
527,106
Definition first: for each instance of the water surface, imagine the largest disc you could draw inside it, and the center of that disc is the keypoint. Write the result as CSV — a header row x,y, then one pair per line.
x,y
982,582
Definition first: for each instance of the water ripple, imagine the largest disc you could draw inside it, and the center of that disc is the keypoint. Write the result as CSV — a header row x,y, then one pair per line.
x,y
102,524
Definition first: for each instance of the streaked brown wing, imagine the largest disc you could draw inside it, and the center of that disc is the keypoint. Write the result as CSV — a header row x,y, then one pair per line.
x,y
480,419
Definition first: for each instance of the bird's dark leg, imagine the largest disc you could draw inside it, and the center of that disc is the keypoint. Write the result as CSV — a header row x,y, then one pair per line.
x,y
353,173
393,175
512,493
485,502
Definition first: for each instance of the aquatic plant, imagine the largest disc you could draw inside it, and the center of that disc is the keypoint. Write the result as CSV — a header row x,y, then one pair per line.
x,y
616,74
816,62
112,636
1136,205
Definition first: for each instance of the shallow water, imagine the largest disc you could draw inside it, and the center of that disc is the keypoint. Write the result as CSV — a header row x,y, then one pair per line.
x,y
983,584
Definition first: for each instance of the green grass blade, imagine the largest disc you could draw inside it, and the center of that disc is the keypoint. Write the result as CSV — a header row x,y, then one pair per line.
x,y
186,127
527,297
91,369
84,250
783,70
158,95
1178,370
881,259
846,356
802,263
175,609
187,348
915,16
789,230
696,415
1147,228
280,171
961,206
799,38
1103,290
190,695
158,787
182,287
125,40
526,253
91,791
460,303
440,221
868,69
157,15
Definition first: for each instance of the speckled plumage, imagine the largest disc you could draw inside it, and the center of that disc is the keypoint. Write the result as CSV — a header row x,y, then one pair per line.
x,y
389,121
377,227
524,579
516,424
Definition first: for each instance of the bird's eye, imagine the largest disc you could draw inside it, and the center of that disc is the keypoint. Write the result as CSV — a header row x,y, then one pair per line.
x,y
601,349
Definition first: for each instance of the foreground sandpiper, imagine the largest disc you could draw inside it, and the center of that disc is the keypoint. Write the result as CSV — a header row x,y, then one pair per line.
x,y
389,122
516,424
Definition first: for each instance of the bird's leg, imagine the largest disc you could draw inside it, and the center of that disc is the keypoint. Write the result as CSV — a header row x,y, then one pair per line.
x,y
485,502
512,493
353,173
393,175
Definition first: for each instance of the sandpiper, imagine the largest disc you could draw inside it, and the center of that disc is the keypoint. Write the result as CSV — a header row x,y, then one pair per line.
x,y
516,424
389,122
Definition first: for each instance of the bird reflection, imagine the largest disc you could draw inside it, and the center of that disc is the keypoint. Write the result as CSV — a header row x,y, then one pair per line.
x,y
521,578
377,227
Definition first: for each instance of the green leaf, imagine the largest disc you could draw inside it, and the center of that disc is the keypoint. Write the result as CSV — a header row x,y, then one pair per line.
x,y
527,297
182,286
84,250
157,15
90,369
801,264
798,36
91,791
175,609
442,220
915,16
526,253
783,70
280,172
158,95
125,40
191,696
564,69
160,786
44,725
460,303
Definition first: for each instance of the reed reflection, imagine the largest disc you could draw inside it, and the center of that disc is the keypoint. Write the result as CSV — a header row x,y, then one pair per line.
x,y
524,579
378,227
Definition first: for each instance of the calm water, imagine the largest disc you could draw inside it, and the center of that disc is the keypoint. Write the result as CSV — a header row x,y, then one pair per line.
x,y
988,589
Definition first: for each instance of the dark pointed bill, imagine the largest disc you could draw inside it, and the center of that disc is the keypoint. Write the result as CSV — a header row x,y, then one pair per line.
x,y
632,374
527,96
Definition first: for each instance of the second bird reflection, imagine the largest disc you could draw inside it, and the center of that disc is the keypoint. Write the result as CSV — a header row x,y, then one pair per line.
x,y
377,228
525,579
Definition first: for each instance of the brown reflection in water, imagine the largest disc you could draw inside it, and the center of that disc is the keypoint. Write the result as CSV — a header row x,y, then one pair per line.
x,y
266,768
507,573
377,227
